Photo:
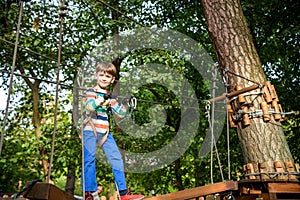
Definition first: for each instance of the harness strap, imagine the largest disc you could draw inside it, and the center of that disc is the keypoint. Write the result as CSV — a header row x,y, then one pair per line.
x,y
88,119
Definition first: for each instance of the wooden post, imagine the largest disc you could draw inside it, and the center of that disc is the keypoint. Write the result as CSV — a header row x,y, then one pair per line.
x,y
279,167
289,165
267,94
277,115
265,110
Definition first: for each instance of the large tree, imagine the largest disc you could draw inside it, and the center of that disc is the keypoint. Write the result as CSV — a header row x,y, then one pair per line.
x,y
261,136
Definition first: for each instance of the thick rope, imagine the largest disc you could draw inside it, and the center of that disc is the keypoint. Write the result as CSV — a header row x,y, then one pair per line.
x,y
56,91
11,75
211,119
82,162
225,81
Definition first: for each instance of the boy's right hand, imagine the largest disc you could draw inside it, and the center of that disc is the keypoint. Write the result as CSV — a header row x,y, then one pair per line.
x,y
99,101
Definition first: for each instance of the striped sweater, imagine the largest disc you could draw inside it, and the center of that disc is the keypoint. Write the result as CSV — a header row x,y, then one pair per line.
x,y
99,114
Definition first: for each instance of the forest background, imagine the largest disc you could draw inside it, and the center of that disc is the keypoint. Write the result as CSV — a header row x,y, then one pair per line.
x,y
274,26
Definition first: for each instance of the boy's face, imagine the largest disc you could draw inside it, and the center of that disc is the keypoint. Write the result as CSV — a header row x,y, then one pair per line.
x,y
104,79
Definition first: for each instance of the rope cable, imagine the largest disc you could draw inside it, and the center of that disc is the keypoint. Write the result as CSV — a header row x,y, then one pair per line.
x,y
37,53
62,14
11,74
225,80
120,12
214,72
235,74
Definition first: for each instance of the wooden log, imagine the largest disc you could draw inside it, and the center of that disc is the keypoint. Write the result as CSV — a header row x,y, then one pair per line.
x,y
250,170
289,165
265,168
267,94
280,168
277,115
276,97
281,111
229,108
241,98
265,109
245,169
246,120
232,124
235,93
270,88
256,170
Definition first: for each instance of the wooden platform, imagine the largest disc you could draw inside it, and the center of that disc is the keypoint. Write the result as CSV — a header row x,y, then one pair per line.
x,y
246,190
41,191
222,187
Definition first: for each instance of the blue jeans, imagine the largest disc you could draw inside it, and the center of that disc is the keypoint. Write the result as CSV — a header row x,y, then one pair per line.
x,y
113,155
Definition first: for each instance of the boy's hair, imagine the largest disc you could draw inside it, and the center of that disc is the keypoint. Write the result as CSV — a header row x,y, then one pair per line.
x,y
106,67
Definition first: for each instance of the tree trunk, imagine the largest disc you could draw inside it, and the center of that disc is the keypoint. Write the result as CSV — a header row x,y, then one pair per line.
x,y
70,184
36,117
261,140
178,174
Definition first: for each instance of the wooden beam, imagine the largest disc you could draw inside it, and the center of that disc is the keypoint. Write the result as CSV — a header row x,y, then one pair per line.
x,y
293,188
198,191
235,93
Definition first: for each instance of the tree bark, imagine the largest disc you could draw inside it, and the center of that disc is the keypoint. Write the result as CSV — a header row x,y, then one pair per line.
x,y
260,141
70,183
36,117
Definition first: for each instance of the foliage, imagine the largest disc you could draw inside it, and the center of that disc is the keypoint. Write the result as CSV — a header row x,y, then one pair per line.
x,y
275,31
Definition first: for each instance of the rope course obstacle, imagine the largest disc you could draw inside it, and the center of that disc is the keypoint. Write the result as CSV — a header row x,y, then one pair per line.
x,y
239,116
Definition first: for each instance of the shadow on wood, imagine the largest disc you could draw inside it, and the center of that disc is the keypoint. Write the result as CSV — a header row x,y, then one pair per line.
x,y
41,191
238,190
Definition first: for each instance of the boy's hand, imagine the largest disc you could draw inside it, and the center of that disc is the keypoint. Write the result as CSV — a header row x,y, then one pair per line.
x,y
125,100
99,101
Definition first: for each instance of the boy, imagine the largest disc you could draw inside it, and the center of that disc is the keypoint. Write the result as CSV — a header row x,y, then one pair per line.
x,y
97,105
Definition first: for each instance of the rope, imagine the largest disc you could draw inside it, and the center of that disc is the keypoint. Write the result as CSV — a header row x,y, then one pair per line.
x,y
118,191
225,81
81,88
57,81
230,72
115,9
82,163
37,53
11,75
211,126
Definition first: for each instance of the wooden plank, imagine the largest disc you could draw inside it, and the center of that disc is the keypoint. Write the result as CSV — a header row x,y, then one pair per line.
x,y
46,191
198,191
284,188
247,190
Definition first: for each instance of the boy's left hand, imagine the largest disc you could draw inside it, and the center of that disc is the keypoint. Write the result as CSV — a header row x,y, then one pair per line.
x,y
125,100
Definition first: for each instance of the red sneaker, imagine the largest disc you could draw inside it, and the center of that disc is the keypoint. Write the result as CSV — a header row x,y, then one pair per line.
x,y
88,196
130,196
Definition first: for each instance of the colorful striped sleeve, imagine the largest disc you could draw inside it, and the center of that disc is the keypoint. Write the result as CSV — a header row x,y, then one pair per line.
x,y
117,108
90,99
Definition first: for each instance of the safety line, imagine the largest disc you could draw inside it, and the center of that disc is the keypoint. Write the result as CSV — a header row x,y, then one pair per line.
x,y
115,9
230,72
61,16
11,74
36,53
